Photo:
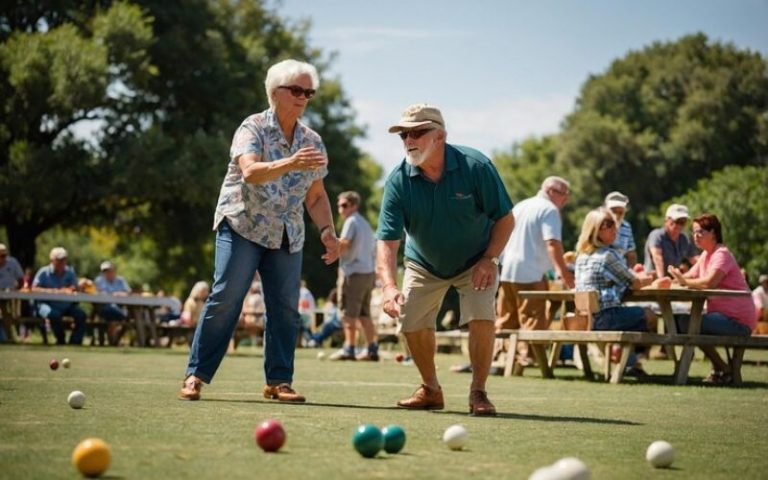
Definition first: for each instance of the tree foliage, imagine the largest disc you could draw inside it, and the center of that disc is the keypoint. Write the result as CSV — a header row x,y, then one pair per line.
x,y
737,195
660,119
160,87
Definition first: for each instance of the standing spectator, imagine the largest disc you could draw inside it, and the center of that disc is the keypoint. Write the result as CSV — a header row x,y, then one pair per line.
x,y
668,246
307,306
457,215
617,203
357,275
11,278
276,168
533,249
58,277
716,268
109,282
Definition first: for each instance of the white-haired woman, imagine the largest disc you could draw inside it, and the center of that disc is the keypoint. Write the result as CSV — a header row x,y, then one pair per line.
x,y
276,169
601,268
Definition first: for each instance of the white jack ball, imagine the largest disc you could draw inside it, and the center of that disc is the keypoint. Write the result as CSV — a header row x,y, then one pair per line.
x,y
572,468
455,437
65,363
660,454
76,399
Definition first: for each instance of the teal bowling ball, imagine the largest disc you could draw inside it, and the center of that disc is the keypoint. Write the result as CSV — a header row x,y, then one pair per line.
x,y
368,440
394,438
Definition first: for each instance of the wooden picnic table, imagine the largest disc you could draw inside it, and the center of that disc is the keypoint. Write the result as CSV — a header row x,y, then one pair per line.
x,y
664,298
141,307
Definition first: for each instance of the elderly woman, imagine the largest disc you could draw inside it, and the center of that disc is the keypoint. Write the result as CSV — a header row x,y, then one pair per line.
x,y
276,169
717,268
600,267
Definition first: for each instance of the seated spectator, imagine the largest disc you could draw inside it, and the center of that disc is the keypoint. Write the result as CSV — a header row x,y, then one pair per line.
x,y
716,268
111,283
252,314
11,278
58,277
193,305
600,267
331,321
168,313
618,203
760,298
669,245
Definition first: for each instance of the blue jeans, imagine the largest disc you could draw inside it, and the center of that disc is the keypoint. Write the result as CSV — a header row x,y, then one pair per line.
x,y
54,315
628,319
237,259
112,313
714,323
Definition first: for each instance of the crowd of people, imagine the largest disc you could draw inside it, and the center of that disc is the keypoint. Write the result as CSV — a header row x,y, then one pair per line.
x,y
461,232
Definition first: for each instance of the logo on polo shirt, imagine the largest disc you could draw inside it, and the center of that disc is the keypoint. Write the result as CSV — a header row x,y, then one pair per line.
x,y
462,196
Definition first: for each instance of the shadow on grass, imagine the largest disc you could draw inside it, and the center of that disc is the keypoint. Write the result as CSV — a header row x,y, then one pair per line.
x,y
307,404
546,418
662,380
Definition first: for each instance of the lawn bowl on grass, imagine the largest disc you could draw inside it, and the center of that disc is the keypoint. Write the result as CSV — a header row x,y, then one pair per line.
x,y
91,457
368,440
660,454
76,399
270,435
394,438
455,437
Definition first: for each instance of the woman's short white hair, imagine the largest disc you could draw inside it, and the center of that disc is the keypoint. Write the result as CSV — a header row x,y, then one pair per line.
x,y
283,72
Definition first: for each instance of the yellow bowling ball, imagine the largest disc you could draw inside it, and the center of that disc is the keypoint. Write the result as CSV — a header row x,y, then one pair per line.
x,y
91,457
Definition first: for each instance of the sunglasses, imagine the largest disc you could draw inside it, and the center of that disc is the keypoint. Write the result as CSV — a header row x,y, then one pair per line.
x,y
297,91
607,224
415,134
681,221
343,205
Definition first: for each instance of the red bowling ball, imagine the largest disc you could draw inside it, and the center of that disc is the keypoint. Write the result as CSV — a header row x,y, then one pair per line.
x,y
270,435
54,364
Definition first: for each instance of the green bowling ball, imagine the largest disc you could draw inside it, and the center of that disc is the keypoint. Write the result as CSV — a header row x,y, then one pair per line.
x,y
368,440
394,438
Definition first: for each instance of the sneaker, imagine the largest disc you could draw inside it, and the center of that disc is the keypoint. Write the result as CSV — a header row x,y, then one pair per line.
x,y
190,389
368,357
424,398
479,405
343,354
283,393
716,377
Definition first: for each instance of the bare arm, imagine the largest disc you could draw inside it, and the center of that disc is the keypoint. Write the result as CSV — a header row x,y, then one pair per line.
x,y
631,257
658,261
319,209
256,171
386,269
344,245
555,252
712,280
484,272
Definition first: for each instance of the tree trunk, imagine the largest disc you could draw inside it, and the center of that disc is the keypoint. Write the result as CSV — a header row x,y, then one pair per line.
x,y
21,239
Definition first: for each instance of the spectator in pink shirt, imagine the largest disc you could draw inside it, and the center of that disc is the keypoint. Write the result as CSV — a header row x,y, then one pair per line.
x,y
717,268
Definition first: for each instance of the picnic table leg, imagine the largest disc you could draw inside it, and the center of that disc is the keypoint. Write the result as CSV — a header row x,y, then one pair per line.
x,y
736,362
149,314
541,359
671,327
587,367
138,319
554,354
618,369
511,354
607,361
694,328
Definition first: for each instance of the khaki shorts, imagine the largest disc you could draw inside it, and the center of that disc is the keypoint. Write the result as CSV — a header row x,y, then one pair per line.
x,y
424,294
355,294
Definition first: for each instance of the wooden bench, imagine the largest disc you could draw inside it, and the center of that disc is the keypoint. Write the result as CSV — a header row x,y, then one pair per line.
x,y
627,341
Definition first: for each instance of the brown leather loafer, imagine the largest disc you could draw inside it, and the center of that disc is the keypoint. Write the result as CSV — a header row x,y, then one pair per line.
x,y
424,398
190,389
282,392
479,405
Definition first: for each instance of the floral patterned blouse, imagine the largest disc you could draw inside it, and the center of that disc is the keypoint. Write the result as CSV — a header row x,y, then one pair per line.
x,y
260,212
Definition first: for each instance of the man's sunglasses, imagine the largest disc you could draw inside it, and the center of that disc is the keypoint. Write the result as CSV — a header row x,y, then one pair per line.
x,y
343,205
415,134
297,91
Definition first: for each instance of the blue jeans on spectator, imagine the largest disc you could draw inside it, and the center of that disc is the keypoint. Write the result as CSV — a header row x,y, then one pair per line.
x,y
54,315
628,319
328,329
714,323
237,259
112,313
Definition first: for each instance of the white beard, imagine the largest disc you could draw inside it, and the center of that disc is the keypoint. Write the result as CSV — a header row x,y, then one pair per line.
x,y
417,157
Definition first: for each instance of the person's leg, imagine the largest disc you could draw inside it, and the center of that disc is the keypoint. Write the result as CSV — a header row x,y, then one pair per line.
x,y
715,323
506,308
366,283
481,338
422,345
53,315
77,313
281,278
235,263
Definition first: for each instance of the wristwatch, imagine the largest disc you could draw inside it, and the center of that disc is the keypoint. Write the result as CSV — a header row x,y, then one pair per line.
x,y
494,260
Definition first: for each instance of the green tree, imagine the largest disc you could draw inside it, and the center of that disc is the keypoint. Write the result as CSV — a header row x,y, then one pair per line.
x,y
167,83
737,196
660,119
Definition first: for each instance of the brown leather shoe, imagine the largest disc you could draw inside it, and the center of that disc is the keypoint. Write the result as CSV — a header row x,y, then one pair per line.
x,y
282,392
190,389
424,398
479,405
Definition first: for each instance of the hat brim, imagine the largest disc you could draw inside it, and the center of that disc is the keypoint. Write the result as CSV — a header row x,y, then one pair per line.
x,y
409,125
678,216
616,203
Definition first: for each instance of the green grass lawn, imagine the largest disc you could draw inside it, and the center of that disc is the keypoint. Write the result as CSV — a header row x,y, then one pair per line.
x,y
717,432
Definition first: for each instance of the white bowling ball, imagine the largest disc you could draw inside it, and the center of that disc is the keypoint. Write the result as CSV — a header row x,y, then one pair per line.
x,y
660,454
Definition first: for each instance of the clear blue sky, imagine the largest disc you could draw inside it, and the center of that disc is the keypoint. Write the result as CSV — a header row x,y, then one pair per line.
x,y
500,70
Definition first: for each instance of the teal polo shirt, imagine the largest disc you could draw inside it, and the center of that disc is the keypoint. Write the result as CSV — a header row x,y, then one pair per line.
x,y
448,223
